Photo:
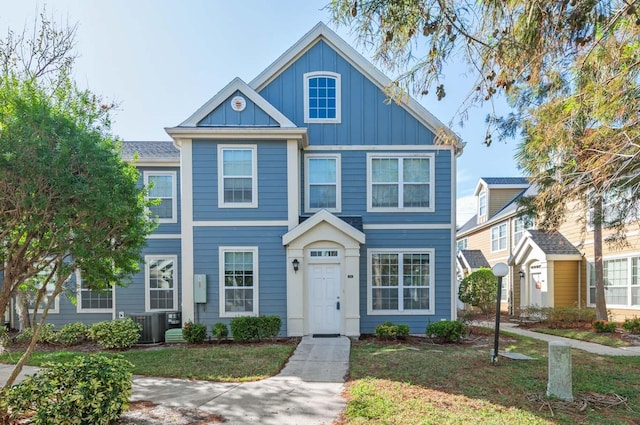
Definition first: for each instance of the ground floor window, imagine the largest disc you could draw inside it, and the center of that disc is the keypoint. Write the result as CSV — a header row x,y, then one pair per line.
x,y
621,281
400,282
238,281
161,282
45,277
504,295
92,300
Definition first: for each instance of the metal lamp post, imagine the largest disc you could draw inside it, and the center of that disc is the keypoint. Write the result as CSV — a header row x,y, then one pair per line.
x,y
500,270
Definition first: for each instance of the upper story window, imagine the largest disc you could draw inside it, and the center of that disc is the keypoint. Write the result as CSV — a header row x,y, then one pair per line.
x,y
322,97
400,182
499,237
162,187
614,207
323,183
237,176
482,204
461,244
520,224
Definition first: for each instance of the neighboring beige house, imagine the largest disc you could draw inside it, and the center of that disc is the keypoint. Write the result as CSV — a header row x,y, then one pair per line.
x,y
546,269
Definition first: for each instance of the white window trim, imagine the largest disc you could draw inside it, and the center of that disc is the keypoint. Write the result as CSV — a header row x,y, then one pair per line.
x,y
506,237
400,208
254,177
463,241
314,74
307,185
221,251
147,285
79,291
174,192
482,215
628,257
430,311
524,228
55,308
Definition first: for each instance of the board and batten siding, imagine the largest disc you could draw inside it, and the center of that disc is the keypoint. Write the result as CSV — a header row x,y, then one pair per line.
x,y
366,118
354,188
225,116
272,182
272,283
165,228
438,240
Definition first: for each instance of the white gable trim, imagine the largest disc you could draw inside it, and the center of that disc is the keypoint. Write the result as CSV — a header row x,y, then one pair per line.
x,y
351,55
317,218
526,247
236,85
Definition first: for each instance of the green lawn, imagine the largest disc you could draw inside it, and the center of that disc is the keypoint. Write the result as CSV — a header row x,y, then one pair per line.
x,y
454,384
222,363
589,336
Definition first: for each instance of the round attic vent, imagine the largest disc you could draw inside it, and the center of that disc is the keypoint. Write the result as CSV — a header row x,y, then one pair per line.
x,y
238,103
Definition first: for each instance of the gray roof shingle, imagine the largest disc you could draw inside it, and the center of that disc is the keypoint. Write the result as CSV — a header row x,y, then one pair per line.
x,y
150,150
475,258
505,180
553,243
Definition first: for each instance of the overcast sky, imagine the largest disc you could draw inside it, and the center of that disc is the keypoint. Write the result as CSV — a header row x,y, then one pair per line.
x,y
160,60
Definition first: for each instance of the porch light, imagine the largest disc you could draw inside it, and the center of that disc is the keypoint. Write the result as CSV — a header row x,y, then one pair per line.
x,y
296,265
500,270
521,273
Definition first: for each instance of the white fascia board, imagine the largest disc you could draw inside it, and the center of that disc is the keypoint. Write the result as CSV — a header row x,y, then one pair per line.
x,y
254,133
237,85
322,32
155,162
317,218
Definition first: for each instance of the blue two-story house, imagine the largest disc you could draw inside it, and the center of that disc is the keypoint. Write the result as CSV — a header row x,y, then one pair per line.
x,y
303,194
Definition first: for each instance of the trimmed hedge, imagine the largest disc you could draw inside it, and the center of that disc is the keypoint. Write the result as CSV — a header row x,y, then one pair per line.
x,y
91,390
388,330
115,334
250,328
446,330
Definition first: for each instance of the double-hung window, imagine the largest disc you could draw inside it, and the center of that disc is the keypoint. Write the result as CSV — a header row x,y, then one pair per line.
x,y
238,281
400,281
322,97
323,183
47,277
520,224
161,272
93,300
400,182
163,189
621,281
499,237
237,176
482,205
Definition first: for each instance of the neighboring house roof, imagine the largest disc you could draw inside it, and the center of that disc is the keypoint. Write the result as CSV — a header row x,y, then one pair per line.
x,y
505,180
544,245
352,56
151,152
473,258
470,224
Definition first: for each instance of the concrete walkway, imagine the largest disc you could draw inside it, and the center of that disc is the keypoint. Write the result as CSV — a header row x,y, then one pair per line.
x,y
590,347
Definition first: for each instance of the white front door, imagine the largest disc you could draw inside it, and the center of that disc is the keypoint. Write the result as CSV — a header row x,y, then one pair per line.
x,y
324,298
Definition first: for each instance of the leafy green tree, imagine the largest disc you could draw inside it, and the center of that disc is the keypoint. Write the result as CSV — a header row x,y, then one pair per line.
x,y
479,289
67,200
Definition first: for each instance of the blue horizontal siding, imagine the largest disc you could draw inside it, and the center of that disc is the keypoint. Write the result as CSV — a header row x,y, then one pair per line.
x,y
272,285
272,182
225,116
440,241
367,119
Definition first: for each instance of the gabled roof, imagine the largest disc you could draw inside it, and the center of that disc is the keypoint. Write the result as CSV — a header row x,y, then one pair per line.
x,y
501,183
320,217
236,85
550,245
353,57
473,259
150,152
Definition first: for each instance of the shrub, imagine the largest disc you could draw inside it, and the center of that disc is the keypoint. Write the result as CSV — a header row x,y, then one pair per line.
x,y
220,331
631,325
4,337
118,334
88,390
446,330
247,328
48,334
73,333
479,289
388,330
604,326
194,333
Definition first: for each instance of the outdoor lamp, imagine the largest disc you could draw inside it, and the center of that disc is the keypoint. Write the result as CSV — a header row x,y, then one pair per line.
x,y
521,273
296,265
500,270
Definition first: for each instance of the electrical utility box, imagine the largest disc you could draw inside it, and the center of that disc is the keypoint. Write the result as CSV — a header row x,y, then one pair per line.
x,y
200,288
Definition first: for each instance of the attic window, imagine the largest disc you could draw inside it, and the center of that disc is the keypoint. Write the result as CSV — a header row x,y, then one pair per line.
x,y
322,97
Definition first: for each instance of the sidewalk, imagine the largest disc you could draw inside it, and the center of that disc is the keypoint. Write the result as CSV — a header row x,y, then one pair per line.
x,y
589,347
307,390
